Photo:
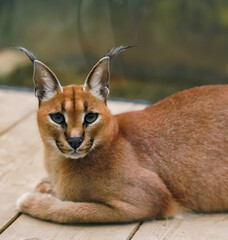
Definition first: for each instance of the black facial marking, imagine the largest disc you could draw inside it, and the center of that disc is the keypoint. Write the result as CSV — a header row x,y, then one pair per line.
x,y
62,105
91,142
73,98
85,106
85,124
83,134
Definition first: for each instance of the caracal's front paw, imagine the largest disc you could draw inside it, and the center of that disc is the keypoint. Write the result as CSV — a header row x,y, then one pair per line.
x,y
23,202
36,204
44,186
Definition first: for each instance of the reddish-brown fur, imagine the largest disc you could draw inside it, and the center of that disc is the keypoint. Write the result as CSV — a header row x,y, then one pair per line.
x,y
147,164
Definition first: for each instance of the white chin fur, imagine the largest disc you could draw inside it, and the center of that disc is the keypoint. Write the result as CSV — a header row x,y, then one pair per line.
x,y
75,155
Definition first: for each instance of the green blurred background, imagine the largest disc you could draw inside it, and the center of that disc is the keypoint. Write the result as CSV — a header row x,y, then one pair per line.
x,y
181,43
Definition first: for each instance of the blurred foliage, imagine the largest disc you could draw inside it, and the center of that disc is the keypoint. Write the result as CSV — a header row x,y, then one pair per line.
x,y
181,43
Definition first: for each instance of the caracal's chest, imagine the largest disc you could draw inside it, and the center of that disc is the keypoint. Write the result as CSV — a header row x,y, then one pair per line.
x,y
79,185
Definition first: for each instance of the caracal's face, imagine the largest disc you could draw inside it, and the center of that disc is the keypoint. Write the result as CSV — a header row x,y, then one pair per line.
x,y
74,122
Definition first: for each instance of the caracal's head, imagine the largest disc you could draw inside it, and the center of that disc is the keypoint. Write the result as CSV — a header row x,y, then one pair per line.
x,y
73,120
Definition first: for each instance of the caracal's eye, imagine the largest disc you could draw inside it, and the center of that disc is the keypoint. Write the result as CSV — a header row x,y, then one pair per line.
x,y
90,117
58,118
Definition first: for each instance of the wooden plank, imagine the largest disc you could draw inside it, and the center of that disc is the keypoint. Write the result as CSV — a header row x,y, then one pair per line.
x,y
196,227
21,165
27,227
14,107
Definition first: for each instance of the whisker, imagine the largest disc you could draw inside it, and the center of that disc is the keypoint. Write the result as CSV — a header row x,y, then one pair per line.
x,y
65,151
48,139
85,149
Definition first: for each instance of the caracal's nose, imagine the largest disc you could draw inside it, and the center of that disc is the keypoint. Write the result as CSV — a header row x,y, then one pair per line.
x,y
75,142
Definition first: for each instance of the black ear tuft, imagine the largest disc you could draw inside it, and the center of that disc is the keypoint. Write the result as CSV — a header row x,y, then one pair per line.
x,y
46,83
29,54
114,51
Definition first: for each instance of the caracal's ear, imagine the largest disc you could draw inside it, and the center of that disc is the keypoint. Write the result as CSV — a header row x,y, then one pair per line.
x,y
45,82
97,82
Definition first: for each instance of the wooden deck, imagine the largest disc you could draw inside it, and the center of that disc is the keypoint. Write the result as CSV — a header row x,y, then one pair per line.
x,y
21,167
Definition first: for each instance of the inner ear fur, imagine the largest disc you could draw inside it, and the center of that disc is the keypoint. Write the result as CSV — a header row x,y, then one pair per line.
x,y
45,82
97,82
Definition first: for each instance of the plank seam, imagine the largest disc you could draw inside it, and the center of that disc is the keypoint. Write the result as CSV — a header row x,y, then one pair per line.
x,y
134,231
17,122
12,220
